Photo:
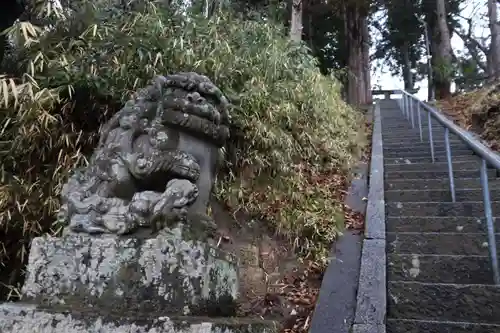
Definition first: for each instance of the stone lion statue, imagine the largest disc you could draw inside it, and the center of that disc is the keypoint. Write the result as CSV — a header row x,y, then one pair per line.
x,y
156,160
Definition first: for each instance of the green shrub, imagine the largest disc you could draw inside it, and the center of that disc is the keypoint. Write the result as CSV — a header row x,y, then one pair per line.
x,y
293,138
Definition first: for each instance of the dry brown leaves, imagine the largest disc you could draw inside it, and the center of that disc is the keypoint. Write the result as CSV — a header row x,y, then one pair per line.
x,y
477,111
302,292
354,220
292,299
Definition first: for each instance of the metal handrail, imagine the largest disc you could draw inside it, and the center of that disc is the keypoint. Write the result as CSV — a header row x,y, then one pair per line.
x,y
408,105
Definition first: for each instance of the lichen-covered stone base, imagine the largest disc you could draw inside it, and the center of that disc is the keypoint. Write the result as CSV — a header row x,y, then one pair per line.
x,y
167,274
18,318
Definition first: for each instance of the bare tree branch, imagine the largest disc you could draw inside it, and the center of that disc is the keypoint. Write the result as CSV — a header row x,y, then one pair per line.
x,y
473,46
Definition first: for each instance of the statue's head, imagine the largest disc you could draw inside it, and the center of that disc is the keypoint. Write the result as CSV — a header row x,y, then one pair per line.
x,y
192,102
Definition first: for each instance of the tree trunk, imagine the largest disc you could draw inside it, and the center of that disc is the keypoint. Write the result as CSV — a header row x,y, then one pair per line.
x,y
366,61
443,53
356,83
296,21
407,75
494,52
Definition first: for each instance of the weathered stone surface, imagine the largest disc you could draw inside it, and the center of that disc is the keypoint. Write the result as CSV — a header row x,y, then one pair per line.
x,y
438,243
440,269
368,328
444,302
407,165
427,184
167,273
469,209
375,210
413,154
440,195
336,305
424,145
438,224
434,174
428,159
425,150
156,161
17,318
371,299
375,218
410,326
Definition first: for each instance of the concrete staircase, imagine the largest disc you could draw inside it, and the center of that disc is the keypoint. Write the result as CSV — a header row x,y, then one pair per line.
x,y
439,277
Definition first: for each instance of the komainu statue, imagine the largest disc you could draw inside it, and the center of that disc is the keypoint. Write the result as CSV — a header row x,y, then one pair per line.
x,y
156,161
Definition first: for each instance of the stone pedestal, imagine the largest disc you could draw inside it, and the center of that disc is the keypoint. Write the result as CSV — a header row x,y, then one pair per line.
x,y
165,274
164,284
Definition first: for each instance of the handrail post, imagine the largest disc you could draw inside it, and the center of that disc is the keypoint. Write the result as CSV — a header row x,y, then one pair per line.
x,y
431,141
419,122
489,222
450,165
406,107
411,112
403,105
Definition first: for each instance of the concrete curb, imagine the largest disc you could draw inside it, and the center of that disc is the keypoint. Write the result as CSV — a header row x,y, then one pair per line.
x,y
372,287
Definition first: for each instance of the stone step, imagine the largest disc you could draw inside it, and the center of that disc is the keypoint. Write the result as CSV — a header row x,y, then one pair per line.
x,y
416,139
405,128
26,318
395,122
402,129
424,326
426,153
443,183
428,159
469,208
423,145
410,138
438,166
428,301
405,122
440,268
400,118
425,150
436,132
453,243
438,224
431,174
439,195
